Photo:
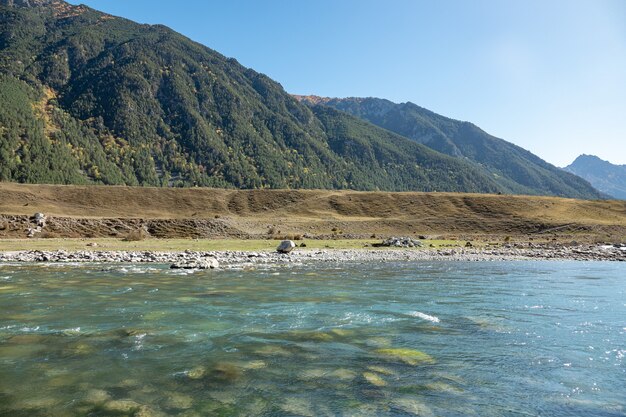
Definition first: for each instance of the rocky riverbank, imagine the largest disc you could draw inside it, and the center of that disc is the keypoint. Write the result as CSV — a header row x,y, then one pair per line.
x,y
239,259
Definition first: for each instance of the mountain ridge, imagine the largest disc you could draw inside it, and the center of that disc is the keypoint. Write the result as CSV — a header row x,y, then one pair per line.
x,y
605,176
514,168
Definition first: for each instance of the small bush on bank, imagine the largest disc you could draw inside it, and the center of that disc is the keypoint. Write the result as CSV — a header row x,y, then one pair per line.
x,y
135,236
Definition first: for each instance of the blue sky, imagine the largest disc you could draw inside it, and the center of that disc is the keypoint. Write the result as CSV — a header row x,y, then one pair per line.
x,y
549,76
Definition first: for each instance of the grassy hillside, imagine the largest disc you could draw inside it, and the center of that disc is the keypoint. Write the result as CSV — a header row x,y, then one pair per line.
x,y
513,168
89,98
94,211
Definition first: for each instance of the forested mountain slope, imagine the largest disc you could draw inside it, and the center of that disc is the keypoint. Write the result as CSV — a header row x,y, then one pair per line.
x,y
512,167
86,97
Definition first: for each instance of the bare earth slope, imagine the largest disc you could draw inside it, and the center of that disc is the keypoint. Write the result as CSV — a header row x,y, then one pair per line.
x,y
100,211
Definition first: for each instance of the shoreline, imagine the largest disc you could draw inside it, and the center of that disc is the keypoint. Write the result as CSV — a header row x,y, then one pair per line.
x,y
245,259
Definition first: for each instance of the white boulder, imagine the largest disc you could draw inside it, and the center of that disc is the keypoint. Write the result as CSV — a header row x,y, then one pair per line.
x,y
285,246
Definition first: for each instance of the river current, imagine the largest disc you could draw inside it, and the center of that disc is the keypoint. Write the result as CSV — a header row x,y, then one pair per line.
x,y
372,339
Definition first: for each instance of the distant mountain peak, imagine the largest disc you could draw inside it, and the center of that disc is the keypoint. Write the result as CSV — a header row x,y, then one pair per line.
x,y
605,176
589,158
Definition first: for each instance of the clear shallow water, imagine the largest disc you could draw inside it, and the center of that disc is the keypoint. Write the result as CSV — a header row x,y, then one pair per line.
x,y
429,338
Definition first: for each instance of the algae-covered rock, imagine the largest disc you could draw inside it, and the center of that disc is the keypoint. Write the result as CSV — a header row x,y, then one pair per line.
x,y
343,374
300,335
342,332
374,379
254,365
408,356
272,350
121,406
146,411
196,373
78,349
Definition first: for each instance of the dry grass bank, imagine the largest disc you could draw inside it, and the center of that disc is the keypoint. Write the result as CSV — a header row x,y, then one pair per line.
x,y
99,211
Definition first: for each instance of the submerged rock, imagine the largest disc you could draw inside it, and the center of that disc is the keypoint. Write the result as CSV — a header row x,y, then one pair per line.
x,y
145,411
121,406
343,374
408,356
254,365
197,373
374,379
342,332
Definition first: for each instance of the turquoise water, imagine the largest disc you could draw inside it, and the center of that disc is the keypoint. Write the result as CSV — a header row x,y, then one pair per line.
x,y
396,339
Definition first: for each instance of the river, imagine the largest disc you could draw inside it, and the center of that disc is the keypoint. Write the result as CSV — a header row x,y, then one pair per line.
x,y
520,338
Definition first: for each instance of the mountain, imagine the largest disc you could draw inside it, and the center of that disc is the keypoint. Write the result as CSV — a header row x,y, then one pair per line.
x,y
605,176
513,168
86,97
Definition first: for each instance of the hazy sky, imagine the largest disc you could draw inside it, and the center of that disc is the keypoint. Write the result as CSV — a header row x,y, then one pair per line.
x,y
547,75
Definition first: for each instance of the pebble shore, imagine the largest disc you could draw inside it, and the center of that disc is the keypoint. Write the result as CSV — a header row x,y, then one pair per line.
x,y
239,259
